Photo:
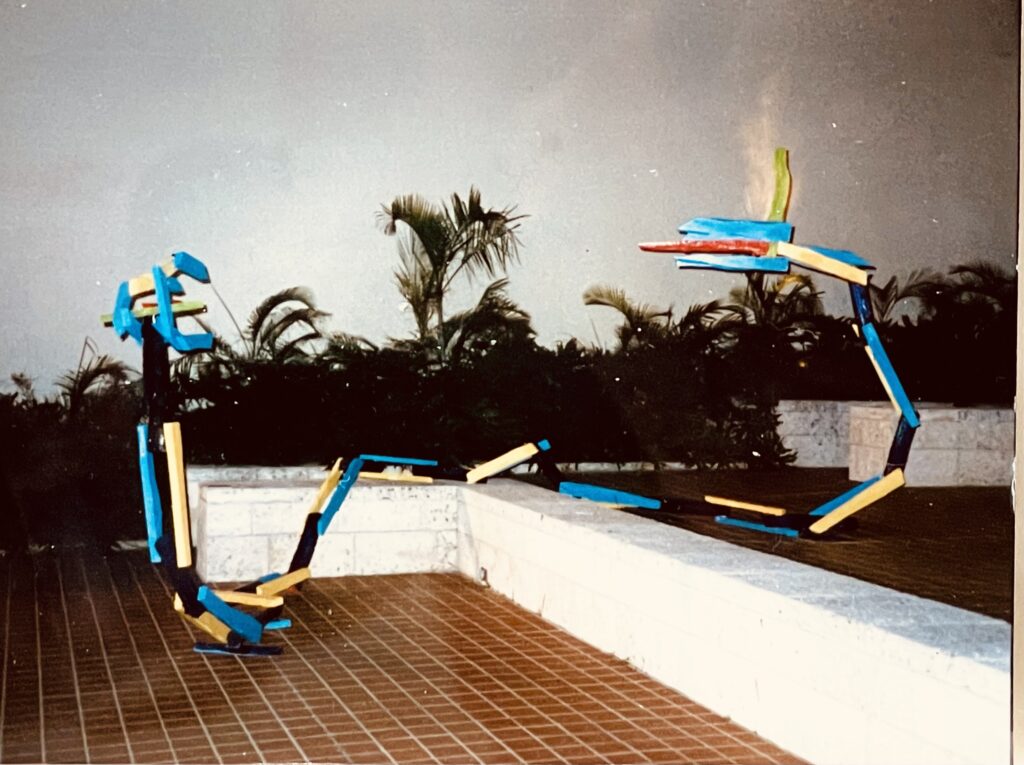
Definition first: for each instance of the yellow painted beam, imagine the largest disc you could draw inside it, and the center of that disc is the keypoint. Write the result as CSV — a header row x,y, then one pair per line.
x,y
178,605
250,599
885,382
141,285
184,308
282,583
752,507
179,494
209,624
809,258
329,484
403,476
502,463
877,490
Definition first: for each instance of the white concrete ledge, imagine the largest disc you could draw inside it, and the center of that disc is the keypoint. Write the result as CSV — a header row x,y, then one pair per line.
x,y
834,669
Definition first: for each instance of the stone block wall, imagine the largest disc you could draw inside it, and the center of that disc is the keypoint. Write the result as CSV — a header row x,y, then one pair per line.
x,y
953,447
818,431
243,531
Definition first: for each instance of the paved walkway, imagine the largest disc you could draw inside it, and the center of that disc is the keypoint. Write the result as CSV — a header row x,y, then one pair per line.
x,y
399,669
953,545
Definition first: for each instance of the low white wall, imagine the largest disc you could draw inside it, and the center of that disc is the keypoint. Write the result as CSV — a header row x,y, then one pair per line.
x,y
833,669
243,531
971,446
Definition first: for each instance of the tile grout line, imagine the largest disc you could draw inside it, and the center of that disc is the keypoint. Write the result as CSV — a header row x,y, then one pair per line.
x,y
39,662
271,707
7,644
181,678
106,662
142,667
327,685
421,675
441,664
511,690
716,726
609,687
74,664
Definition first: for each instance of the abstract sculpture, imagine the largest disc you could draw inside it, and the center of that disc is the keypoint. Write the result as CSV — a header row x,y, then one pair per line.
x,y
750,246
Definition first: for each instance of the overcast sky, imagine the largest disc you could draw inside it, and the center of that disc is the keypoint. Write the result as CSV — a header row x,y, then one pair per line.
x,y
262,137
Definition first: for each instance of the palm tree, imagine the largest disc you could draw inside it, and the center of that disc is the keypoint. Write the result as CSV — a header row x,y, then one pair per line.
x,y
93,375
885,298
642,323
441,242
495,319
783,306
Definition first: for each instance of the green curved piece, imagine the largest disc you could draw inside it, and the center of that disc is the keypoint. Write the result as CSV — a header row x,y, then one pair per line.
x,y
783,183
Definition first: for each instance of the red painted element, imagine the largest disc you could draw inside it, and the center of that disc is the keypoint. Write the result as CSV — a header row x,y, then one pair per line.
x,y
710,246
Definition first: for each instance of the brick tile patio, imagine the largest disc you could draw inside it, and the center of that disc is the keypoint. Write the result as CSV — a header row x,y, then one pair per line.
x,y
426,668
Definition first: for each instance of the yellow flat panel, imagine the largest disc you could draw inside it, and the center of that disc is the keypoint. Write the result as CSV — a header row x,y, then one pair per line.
x,y
812,259
407,477
873,493
754,508
330,482
885,382
282,583
178,605
502,463
179,494
209,624
250,599
141,285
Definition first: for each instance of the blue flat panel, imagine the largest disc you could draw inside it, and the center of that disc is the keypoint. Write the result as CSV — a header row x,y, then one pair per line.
x,y
734,263
191,266
278,624
729,228
902,399
150,493
396,460
123,320
268,577
544,445
781,531
602,494
835,502
843,256
340,492
245,625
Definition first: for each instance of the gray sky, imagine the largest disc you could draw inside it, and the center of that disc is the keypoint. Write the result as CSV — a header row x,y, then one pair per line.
x,y
263,136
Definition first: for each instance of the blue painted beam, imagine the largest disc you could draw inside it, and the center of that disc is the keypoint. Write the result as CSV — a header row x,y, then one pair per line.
x,y
164,321
338,496
734,263
191,266
885,366
835,502
122,319
396,460
781,531
150,493
247,626
729,228
603,494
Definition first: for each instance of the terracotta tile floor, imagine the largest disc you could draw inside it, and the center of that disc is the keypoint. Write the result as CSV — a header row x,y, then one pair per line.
x,y
398,669
950,544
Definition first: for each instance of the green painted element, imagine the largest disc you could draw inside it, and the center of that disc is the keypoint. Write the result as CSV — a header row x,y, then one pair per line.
x,y
184,307
783,182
